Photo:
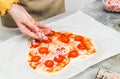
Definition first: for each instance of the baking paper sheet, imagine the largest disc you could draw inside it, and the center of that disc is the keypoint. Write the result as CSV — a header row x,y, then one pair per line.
x,y
13,51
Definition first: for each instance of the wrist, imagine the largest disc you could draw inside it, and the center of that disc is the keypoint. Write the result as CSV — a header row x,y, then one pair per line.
x,y
5,5
10,11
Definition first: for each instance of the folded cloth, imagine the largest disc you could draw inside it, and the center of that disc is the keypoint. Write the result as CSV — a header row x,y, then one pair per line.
x,y
107,74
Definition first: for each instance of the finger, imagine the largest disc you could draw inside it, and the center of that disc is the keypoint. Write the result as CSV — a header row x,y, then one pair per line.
x,y
31,24
44,28
45,31
28,32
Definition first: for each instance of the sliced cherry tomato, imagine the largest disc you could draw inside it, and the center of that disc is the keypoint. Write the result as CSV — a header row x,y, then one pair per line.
x,y
64,38
35,43
47,41
73,54
58,33
43,50
67,34
35,58
81,46
78,38
59,58
51,33
49,63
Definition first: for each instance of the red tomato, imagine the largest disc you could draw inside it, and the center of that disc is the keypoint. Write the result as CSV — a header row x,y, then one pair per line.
x,y
48,41
78,38
35,58
81,46
68,34
73,54
35,43
59,59
49,63
51,33
64,39
43,50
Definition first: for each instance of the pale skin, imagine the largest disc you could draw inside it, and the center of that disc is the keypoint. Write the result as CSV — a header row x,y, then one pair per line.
x,y
27,25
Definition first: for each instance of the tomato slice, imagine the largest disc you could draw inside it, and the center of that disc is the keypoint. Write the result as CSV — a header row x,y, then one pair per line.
x,y
43,50
51,33
59,58
35,58
35,43
64,38
81,46
78,38
73,54
49,63
47,41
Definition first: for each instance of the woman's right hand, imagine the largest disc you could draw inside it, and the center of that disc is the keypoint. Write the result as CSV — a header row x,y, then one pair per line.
x,y
27,24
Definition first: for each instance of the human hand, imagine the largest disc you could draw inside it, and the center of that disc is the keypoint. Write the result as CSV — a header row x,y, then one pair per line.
x,y
27,24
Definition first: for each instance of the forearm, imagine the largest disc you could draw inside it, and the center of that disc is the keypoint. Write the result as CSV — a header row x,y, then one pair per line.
x,y
6,5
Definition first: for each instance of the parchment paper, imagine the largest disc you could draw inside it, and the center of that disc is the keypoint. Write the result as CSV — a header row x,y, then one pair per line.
x,y
13,51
